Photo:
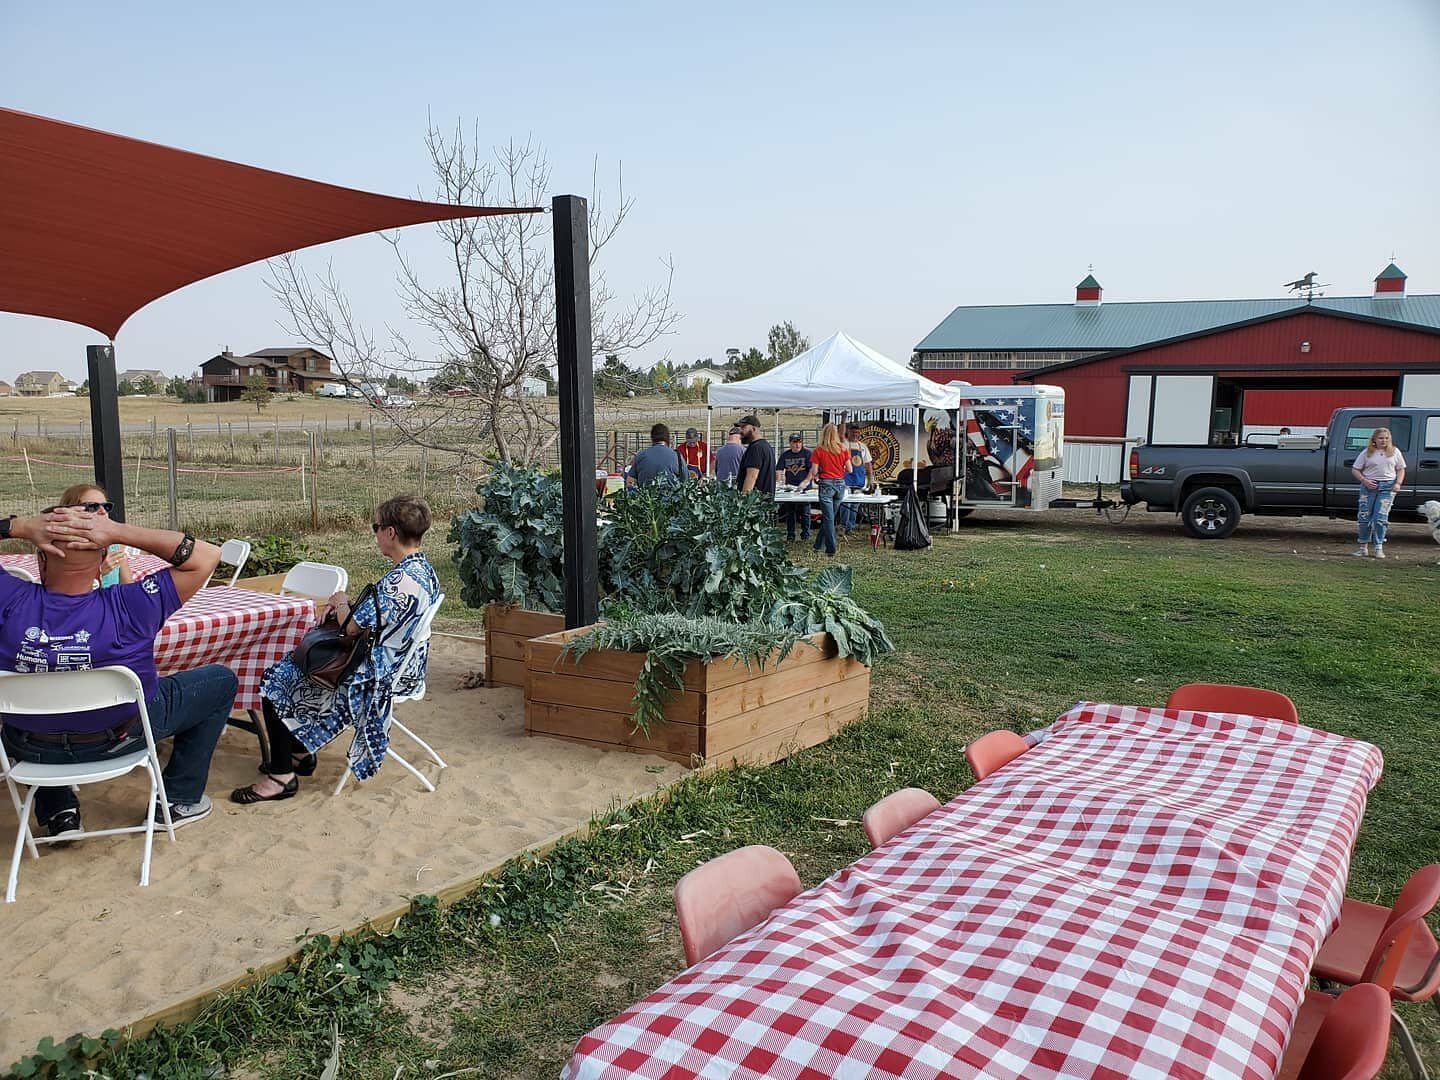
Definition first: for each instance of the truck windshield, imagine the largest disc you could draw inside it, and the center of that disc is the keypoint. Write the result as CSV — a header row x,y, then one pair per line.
x,y
1357,434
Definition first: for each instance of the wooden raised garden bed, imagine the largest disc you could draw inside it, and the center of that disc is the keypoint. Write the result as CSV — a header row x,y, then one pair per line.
x,y
726,712
507,628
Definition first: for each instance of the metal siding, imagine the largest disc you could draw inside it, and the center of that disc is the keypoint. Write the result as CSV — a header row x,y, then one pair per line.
x,y
977,376
1095,392
1304,408
1123,325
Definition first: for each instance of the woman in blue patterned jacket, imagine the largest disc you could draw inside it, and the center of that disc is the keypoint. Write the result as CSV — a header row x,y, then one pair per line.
x,y
301,716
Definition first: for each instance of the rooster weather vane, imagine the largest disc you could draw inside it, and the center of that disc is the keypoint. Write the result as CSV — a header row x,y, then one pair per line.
x,y
1307,286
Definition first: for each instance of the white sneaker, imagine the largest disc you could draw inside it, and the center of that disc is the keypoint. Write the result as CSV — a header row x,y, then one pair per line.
x,y
1380,552
1362,552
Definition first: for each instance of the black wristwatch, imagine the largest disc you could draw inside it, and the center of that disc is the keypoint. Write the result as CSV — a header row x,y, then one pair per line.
x,y
5,526
183,552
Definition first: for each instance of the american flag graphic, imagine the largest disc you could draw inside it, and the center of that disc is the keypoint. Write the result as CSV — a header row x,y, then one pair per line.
x,y
1003,442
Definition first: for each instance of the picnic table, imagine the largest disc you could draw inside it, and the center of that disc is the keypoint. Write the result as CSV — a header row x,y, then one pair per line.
x,y
246,631
1141,894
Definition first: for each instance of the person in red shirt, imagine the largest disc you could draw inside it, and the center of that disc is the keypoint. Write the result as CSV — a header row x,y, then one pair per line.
x,y
828,464
695,453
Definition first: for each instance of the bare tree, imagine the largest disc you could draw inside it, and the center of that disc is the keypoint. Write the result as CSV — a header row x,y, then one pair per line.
x,y
493,319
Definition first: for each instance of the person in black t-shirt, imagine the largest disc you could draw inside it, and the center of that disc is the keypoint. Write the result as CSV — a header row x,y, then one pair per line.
x,y
794,465
757,467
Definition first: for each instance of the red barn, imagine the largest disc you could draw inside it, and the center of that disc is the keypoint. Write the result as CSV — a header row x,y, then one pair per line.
x,y
1201,371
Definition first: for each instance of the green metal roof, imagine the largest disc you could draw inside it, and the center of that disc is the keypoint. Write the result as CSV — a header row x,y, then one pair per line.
x,y
1118,325
1391,271
1088,283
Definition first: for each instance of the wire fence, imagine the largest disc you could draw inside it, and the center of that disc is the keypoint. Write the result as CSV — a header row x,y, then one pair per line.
x,y
247,479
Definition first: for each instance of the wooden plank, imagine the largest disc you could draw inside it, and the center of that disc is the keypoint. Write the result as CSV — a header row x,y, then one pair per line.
x,y
508,619
723,736
606,695
610,729
780,744
506,645
725,672
769,688
270,583
502,672
544,655
682,759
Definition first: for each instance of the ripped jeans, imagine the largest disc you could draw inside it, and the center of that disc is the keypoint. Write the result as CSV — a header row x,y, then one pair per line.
x,y
1374,515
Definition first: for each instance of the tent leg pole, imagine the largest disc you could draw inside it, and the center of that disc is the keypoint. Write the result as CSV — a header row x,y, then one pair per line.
x,y
915,461
709,466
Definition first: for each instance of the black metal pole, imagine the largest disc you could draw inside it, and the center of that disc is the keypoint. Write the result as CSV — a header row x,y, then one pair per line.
x,y
570,220
105,425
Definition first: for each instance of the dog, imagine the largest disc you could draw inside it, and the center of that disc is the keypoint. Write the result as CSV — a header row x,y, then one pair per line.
x,y
1431,510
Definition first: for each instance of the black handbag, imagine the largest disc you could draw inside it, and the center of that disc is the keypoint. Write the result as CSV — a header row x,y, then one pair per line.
x,y
327,656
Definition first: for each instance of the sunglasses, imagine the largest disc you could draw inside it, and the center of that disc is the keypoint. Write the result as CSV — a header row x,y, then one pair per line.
x,y
88,507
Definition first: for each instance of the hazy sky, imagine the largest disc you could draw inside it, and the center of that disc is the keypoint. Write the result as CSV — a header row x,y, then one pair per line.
x,y
865,167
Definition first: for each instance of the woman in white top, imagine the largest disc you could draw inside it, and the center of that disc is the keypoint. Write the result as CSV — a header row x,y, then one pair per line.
x,y
1380,468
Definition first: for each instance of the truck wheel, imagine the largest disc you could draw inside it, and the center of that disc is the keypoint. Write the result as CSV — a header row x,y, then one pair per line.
x,y
1210,513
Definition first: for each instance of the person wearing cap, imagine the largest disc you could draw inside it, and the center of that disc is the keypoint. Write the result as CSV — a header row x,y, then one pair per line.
x,y
860,475
757,467
727,458
695,452
792,468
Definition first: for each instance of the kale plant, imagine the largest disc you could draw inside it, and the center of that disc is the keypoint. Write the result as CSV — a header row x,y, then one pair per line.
x,y
824,603
510,551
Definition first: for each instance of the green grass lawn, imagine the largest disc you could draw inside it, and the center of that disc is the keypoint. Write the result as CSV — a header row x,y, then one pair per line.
x,y
996,627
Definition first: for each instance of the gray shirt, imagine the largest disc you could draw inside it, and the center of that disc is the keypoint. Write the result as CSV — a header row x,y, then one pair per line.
x,y
657,463
727,461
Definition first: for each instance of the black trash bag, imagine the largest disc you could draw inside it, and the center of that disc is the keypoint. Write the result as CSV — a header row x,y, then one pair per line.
x,y
913,532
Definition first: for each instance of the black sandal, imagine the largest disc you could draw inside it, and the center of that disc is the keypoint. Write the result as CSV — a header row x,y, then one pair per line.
x,y
247,796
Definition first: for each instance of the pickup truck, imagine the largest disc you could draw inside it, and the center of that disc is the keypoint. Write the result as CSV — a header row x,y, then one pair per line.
x,y
1211,487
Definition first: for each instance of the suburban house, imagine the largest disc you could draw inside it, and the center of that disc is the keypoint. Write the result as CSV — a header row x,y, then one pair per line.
x,y
286,371
41,384
137,375
699,377
6,389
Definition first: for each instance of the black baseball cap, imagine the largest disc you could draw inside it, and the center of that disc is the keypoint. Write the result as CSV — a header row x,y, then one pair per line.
x,y
748,421
691,433
797,437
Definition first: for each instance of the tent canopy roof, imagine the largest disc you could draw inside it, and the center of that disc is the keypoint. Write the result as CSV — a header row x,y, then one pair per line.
x,y
94,226
840,372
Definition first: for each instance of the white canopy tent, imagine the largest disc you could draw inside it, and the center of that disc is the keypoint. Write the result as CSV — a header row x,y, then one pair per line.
x,y
839,373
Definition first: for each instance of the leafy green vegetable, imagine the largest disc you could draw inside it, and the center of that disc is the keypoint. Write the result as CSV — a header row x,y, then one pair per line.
x,y
825,604
511,550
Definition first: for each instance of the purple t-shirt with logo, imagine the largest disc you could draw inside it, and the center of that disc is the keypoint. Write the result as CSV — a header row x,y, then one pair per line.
x,y
47,631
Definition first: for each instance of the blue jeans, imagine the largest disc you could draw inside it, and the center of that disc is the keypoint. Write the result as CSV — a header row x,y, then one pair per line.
x,y
849,512
192,706
831,492
1374,516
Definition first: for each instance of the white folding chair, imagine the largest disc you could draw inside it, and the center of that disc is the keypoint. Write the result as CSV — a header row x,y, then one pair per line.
x,y
78,692
21,573
420,637
317,580
236,553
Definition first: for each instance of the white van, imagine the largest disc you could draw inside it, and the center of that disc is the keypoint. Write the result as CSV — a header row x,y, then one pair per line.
x,y
332,389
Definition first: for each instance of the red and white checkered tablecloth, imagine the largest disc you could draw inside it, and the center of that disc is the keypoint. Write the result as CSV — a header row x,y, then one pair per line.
x,y
1141,894
244,630
142,563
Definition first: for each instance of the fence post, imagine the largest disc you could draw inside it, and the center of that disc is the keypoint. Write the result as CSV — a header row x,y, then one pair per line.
x,y
172,494
153,436
314,483
424,469
277,440
232,438
190,437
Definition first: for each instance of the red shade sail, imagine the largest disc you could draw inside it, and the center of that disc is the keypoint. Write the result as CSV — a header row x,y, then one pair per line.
x,y
94,226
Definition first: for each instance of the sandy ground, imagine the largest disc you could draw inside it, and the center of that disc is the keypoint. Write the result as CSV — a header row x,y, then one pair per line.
x,y
87,949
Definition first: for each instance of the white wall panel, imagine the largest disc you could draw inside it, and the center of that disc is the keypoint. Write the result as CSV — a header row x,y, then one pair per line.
x,y
1137,412
1182,410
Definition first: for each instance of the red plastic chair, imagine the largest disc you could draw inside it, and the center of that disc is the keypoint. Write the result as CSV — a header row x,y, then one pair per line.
x,y
898,810
728,895
1224,697
992,750
1391,947
1342,1038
